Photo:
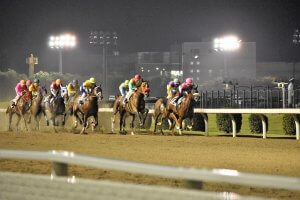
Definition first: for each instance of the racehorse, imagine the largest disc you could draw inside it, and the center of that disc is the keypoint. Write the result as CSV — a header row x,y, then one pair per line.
x,y
160,110
87,109
20,109
36,106
135,106
54,109
184,109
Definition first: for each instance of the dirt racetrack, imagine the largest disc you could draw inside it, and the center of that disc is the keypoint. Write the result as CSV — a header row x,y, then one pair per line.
x,y
271,156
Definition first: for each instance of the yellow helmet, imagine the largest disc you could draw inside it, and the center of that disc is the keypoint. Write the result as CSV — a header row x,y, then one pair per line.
x,y
126,82
93,80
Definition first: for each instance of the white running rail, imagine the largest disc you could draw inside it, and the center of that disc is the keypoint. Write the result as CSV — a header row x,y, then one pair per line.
x,y
188,174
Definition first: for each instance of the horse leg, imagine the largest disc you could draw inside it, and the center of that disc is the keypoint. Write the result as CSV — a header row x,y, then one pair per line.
x,y
173,117
155,121
45,116
145,115
96,122
84,124
64,119
122,119
18,122
140,118
132,124
10,114
180,125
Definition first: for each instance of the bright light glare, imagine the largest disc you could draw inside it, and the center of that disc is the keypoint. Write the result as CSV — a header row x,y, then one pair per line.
x,y
62,41
227,43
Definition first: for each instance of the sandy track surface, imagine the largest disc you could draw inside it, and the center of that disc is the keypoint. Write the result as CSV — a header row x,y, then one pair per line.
x,y
271,156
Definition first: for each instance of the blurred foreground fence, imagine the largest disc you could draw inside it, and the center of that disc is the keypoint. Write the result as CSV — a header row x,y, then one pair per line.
x,y
14,185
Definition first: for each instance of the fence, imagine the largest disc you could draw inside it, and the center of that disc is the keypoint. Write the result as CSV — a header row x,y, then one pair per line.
x,y
252,97
61,159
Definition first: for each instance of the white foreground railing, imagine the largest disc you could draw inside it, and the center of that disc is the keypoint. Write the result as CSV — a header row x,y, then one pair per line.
x,y
61,159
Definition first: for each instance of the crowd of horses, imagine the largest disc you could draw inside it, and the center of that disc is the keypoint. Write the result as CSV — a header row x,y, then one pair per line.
x,y
63,105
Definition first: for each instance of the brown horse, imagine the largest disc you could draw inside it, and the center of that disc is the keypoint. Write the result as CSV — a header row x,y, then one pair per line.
x,y
160,111
36,107
87,109
183,110
135,106
21,108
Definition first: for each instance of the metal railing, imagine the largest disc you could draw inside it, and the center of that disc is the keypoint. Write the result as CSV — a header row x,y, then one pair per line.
x,y
61,159
249,97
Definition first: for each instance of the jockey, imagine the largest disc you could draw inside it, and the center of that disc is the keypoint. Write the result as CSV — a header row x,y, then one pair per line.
x,y
20,89
172,88
185,86
73,88
28,83
134,83
86,88
54,89
124,88
34,88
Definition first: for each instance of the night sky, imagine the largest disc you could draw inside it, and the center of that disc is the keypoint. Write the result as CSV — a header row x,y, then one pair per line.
x,y
151,25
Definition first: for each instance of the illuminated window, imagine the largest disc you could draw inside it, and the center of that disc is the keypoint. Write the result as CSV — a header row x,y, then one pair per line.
x,y
198,70
198,78
198,63
191,70
192,63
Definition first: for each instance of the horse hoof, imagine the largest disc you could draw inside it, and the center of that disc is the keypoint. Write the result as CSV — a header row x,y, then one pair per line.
x,y
47,123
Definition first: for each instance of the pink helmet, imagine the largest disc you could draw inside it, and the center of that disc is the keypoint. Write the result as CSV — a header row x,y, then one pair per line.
x,y
184,86
137,77
189,81
28,82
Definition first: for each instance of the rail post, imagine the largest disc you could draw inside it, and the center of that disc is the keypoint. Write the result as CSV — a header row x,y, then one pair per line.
x,y
296,118
233,122
251,96
264,126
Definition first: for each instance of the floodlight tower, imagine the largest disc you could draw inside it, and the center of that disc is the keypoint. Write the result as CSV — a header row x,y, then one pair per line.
x,y
296,42
104,40
226,44
61,42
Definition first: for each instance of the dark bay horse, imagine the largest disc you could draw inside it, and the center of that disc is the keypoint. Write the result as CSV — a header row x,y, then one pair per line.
x,y
87,109
134,107
54,109
21,108
184,109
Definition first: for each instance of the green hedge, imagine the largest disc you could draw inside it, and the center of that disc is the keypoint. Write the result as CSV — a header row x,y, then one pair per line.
x,y
224,122
255,123
288,124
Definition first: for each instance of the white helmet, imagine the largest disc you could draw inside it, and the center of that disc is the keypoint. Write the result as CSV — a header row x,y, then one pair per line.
x,y
176,81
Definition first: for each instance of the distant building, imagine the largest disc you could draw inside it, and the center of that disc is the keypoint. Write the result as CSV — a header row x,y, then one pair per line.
x,y
201,62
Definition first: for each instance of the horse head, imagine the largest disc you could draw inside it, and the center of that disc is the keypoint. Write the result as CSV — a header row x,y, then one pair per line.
x,y
64,93
144,88
98,92
195,93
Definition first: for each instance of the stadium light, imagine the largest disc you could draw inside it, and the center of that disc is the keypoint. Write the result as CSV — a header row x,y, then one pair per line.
x,y
226,44
63,41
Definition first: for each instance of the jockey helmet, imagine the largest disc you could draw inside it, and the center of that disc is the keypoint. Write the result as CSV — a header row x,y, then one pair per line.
x,y
172,84
189,81
184,86
126,82
58,82
36,80
22,82
75,82
137,77
176,81
28,82
93,80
